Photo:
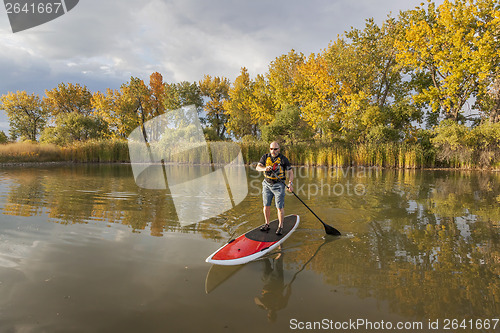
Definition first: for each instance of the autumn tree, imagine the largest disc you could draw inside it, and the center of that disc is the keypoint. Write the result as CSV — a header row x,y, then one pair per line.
x,y
337,89
27,116
388,109
156,102
355,86
242,118
74,115
116,110
457,45
262,102
282,78
322,80
138,95
216,89
132,105
67,98
254,104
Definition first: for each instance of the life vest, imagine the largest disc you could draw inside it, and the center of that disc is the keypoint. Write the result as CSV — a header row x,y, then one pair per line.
x,y
277,168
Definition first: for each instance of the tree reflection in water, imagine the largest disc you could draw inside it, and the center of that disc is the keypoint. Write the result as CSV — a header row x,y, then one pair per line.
x,y
427,242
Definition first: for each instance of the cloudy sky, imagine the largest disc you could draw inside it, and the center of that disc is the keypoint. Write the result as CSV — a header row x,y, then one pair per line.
x,y
101,44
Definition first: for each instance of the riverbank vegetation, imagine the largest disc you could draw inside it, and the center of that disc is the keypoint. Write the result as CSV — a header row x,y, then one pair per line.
x,y
419,90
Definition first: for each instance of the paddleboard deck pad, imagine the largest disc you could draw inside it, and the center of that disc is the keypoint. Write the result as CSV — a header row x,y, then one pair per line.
x,y
254,244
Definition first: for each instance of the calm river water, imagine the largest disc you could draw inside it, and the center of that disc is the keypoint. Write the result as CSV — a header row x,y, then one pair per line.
x,y
84,249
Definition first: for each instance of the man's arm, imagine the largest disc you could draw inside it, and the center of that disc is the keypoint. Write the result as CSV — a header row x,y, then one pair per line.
x,y
290,175
261,167
290,179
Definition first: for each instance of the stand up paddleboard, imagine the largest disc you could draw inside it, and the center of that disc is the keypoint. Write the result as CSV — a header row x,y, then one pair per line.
x,y
253,244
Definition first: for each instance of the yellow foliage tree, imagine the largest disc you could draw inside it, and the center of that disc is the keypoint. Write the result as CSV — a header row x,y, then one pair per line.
x,y
356,86
116,110
319,98
457,44
263,109
132,105
26,113
239,107
67,98
283,79
217,90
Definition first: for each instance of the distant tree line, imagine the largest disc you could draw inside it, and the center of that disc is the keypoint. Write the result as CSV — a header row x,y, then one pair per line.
x,y
420,77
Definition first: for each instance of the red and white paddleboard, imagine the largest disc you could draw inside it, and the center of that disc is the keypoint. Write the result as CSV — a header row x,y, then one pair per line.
x,y
253,244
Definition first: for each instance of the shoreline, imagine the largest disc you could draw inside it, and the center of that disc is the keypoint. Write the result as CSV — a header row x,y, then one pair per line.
x,y
72,163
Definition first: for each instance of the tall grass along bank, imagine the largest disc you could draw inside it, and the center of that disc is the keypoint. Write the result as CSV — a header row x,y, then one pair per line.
x,y
338,155
90,151
388,155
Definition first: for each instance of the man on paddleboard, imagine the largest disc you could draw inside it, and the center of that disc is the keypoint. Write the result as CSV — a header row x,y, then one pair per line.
x,y
276,168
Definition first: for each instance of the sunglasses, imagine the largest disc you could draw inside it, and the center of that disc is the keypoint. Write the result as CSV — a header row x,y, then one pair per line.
x,y
274,148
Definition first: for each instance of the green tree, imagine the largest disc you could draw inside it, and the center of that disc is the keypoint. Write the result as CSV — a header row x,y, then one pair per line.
x,y
27,116
375,50
73,127
488,101
3,137
183,94
453,143
287,127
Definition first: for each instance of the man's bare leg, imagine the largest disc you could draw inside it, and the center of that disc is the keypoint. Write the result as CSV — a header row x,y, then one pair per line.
x,y
267,214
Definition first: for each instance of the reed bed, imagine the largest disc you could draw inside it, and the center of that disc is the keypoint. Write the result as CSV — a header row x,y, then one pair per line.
x,y
337,155
23,152
389,155
102,151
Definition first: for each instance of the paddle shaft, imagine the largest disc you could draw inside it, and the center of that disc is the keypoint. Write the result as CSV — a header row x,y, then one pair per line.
x,y
303,203
328,229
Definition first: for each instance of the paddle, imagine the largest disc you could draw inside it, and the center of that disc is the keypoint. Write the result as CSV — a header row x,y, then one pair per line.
x,y
328,229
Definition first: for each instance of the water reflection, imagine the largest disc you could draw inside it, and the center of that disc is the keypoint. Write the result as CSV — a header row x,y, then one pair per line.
x,y
426,243
82,194
275,293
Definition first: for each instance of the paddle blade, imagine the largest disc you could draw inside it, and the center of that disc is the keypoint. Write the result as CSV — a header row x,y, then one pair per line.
x,y
331,230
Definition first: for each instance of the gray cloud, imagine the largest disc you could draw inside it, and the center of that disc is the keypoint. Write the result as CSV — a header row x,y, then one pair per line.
x,y
102,43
